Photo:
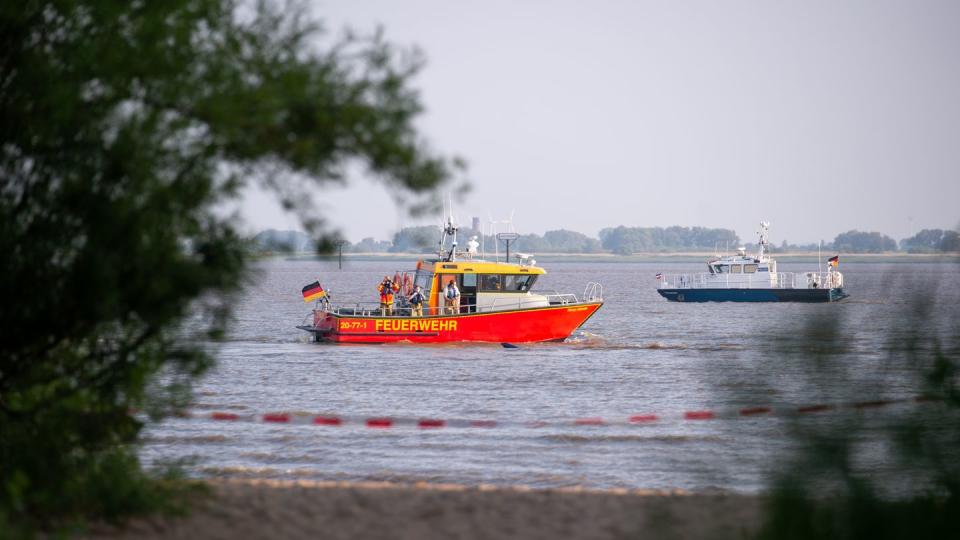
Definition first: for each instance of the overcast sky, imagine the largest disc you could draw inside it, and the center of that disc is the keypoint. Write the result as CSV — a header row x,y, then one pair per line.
x,y
819,116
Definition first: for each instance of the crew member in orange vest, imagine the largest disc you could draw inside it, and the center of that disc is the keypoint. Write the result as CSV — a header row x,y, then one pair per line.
x,y
387,288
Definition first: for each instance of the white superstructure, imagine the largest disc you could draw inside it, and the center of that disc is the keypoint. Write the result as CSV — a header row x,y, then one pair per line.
x,y
742,271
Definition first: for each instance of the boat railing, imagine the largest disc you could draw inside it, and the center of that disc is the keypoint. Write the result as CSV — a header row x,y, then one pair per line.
x,y
780,280
557,298
593,291
823,280
373,309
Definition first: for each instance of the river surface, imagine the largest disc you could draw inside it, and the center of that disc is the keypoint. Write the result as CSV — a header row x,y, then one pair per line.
x,y
640,355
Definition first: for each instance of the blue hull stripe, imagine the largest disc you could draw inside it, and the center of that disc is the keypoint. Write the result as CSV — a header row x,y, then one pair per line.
x,y
753,295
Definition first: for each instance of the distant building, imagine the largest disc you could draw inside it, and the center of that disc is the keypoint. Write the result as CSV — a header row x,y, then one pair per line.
x,y
476,224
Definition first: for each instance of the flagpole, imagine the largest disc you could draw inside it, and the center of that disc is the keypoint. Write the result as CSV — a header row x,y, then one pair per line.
x,y
819,258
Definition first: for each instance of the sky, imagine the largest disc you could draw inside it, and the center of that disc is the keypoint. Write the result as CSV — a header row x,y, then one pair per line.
x,y
818,116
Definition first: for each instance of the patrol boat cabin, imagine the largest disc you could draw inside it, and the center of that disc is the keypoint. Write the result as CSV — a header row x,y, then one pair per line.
x,y
744,278
497,303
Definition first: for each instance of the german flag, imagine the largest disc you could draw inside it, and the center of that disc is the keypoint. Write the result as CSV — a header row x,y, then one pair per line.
x,y
313,291
834,261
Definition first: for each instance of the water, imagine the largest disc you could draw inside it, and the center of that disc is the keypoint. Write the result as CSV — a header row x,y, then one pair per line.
x,y
639,355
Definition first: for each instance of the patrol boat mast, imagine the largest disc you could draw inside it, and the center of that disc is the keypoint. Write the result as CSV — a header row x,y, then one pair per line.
x,y
763,242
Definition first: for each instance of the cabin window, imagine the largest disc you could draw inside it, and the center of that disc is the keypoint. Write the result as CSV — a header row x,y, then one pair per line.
x,y
749,269
447,278
424,280
735,269
516,283
491,283
721,268
469,280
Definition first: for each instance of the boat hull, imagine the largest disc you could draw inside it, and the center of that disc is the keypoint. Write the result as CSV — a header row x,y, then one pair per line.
x,y
753,295
552,323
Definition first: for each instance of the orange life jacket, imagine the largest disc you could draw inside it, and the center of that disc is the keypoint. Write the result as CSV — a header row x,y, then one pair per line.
x,y
386,292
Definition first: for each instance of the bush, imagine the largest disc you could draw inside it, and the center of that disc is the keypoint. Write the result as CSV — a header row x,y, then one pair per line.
x,y
126,126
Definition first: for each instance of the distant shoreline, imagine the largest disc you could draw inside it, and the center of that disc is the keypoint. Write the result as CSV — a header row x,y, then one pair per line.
x,y
680,256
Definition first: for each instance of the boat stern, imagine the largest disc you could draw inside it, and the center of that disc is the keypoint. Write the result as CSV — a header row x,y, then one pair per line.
x,y
321,323
838,294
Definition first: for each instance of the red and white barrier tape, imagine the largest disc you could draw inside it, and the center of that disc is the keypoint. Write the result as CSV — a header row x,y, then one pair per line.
x,y
382,422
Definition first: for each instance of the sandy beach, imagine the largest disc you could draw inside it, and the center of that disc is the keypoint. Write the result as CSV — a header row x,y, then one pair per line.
x,y
337,510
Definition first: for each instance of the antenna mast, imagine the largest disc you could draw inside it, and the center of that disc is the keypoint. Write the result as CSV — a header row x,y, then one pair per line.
x,y
763,242
448,229
495,233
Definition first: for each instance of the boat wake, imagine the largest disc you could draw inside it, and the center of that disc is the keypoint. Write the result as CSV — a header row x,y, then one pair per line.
x,y
569,438
587,340
657,345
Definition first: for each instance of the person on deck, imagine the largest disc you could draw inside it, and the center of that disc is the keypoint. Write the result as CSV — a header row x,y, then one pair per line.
x,y
387,288
416,302
452,296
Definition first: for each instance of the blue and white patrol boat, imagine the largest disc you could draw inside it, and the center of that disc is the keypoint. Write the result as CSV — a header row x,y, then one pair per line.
x,y
744,278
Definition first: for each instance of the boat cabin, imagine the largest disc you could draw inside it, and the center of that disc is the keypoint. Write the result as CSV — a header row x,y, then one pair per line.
x,y
744,278
484,286
742,266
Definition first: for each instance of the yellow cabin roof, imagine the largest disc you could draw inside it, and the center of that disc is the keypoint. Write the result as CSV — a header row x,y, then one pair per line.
x,y
482,267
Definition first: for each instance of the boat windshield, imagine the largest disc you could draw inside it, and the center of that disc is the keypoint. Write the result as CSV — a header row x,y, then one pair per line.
x,y
424,280
507,282
518,283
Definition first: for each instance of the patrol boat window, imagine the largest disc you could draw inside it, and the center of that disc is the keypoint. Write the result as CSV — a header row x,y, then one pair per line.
x,y
749,269
735,269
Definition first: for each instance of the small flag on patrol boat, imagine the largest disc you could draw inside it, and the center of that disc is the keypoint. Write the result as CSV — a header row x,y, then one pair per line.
x,y
659,276
313,291
834,261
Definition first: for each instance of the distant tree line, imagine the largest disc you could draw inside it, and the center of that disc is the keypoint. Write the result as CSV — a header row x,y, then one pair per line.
x,y
273,241
863,242
932,241
627,240
426,239
620,240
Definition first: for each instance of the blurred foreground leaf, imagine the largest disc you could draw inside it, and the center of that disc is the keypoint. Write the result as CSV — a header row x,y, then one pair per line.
x,y
889,475
124,126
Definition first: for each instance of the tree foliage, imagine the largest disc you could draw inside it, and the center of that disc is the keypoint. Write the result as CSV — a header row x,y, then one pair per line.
x,y
369,245
274,241
863,242
932,240
425,239
422,239
627,240
125,125
564,241
825,488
